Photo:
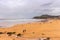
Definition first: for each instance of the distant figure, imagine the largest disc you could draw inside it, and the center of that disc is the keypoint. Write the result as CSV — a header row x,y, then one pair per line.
x,y
1,32
48,38
45,38
10,33
19,35
24,30
43,34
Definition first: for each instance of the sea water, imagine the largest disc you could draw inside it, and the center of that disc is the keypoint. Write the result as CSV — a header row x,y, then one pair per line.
x,y
10,22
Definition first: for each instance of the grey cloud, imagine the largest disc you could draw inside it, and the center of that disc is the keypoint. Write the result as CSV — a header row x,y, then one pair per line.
x,y
26,8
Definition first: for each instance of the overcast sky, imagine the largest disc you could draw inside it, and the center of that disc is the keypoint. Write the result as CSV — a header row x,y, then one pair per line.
x,y
28,8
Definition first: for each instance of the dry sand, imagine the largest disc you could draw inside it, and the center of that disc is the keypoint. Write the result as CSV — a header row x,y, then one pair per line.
x,y
33,31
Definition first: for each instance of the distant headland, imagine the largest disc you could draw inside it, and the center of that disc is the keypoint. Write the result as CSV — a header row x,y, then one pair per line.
x,y
46,16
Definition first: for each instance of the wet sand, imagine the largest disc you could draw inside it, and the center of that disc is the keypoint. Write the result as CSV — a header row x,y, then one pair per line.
x,y
33,31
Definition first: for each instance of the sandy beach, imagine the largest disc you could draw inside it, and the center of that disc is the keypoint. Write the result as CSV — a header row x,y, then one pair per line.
x,y
33,30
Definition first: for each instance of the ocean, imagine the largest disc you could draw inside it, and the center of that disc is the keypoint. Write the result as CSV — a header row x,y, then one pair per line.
x,y
11,22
